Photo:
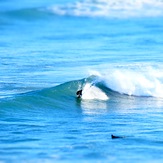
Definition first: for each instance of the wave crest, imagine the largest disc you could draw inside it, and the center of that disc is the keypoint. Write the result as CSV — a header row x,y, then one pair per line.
x,y
135,81
112,8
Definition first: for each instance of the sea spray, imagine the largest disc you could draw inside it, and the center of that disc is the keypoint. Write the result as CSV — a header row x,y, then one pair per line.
x,y
144,81
91,92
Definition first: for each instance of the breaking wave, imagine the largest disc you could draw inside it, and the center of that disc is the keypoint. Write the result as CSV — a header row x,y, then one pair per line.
x,y
128,80
112,8
134,80
91,8
119,83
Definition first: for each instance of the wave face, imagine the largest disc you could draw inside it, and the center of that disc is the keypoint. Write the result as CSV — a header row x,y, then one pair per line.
x,y
24,14
112,8
61,96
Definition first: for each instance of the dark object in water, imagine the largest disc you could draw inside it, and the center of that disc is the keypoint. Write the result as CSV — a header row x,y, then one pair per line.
x,y
79,93
116,137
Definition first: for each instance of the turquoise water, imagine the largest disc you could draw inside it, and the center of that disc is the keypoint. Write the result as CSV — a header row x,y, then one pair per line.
x,y
110,49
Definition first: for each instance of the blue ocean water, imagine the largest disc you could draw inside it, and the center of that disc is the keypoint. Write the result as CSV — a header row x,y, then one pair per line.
x,y
112,50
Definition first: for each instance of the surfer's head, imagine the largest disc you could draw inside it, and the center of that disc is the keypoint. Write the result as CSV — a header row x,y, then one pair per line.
x,y
79,93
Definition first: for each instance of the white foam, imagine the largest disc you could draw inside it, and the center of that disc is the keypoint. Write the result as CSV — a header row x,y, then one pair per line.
x,y
111,8
93,93
146,81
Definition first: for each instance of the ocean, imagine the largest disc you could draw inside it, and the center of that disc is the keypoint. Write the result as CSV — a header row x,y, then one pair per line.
x,y
111,50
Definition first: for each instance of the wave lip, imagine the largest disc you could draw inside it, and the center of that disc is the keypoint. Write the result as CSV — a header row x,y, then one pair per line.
x,y
112,8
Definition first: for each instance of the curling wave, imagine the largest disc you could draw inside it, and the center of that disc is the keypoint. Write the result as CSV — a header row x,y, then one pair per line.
x,y
134,80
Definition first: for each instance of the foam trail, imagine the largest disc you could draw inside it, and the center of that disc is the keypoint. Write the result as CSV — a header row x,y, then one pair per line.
x,y
91,92
136,82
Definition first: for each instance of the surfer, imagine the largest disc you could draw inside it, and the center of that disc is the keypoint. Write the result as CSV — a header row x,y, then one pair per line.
x,y
79,93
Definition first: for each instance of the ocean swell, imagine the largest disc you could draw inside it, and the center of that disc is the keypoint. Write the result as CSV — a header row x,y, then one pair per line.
x,y
120,82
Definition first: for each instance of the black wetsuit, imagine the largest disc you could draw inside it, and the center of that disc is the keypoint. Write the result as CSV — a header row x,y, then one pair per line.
x,y
79,93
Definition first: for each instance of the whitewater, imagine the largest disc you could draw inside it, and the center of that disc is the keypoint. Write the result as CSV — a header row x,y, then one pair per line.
x,y
111,50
